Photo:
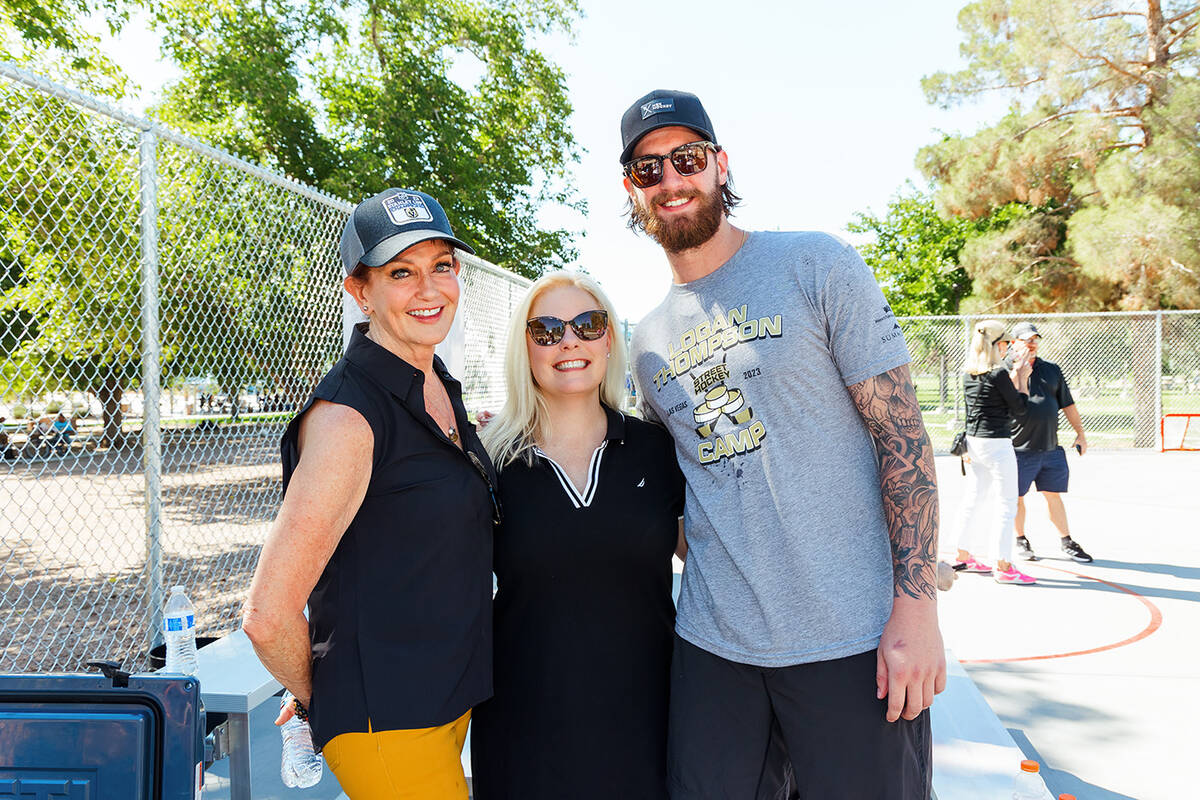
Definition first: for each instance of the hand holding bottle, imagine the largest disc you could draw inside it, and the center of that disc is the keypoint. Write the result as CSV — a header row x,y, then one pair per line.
x,y
300,767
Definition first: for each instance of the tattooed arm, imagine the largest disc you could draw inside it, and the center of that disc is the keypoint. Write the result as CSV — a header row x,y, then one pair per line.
x,y
888,404
911,662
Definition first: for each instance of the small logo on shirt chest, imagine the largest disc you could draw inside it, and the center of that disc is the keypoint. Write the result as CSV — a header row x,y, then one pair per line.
x,y
641,483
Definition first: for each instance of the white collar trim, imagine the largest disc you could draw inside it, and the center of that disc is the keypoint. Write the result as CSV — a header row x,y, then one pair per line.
x,y
578,499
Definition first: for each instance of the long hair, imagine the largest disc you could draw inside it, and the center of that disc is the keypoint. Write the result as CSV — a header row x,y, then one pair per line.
x,y
984,352
524,418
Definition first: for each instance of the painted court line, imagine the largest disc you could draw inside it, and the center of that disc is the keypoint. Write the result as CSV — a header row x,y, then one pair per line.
x,y
1155,623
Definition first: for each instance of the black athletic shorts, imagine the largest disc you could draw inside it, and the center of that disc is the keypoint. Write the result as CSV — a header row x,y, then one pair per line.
x,y
726,720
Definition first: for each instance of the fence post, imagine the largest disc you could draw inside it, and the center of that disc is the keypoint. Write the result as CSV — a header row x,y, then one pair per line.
x,y
1158,370
151,349
1144,374
959,395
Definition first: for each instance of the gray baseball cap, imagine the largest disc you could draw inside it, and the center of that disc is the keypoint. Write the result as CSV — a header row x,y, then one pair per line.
x,y
1023,331
383,226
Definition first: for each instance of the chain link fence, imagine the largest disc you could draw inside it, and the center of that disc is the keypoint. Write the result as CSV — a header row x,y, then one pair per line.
x,y
1125,370
164,310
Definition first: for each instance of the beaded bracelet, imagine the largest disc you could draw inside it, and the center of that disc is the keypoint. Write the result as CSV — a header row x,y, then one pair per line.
x,y
301,711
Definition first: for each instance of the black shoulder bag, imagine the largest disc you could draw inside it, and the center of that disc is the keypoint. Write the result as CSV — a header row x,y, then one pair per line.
x,y
958,447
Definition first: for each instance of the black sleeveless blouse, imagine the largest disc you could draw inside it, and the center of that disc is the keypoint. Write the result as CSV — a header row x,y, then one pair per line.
x,y
400,619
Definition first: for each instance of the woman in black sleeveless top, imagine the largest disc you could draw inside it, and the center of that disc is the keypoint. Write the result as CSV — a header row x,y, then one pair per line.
x,y
385,530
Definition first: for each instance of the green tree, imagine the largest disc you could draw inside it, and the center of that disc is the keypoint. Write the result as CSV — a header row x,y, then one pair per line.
x,y
247,269
351,97
914,254
67,185
1100,143
358,95
44,22
250,276
918,253
54,24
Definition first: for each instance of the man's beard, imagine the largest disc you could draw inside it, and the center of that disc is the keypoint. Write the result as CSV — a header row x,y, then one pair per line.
x,y
676,235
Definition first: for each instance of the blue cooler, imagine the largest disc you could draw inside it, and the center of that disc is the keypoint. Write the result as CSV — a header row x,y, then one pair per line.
x,y
100,737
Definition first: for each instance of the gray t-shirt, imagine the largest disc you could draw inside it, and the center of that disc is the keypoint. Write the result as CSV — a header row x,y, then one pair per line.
x,y
789,559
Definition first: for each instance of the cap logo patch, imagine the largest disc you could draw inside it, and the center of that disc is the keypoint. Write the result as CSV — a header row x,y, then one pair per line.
x,y
405,209
658,107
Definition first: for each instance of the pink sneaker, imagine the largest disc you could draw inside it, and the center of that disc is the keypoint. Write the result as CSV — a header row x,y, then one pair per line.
x,y
971,565
1012,576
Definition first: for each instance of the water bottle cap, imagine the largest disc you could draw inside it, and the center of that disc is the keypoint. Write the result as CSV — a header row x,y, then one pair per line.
x,y
1066,797
1029,766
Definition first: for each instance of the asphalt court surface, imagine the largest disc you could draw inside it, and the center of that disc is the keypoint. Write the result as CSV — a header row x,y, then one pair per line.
x,y
1095,670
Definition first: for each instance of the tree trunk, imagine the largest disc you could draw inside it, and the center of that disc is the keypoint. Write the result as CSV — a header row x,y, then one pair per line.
x,y
232,391
1156,35
1157,56
109,396
943,383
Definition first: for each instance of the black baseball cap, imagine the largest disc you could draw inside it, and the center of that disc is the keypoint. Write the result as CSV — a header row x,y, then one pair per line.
x,y
383,226
663,108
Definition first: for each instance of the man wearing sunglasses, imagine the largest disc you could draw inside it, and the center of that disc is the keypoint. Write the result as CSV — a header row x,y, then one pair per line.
x,y
808,605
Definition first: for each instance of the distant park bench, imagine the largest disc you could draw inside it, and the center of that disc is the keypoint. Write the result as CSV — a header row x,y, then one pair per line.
x,y
21,445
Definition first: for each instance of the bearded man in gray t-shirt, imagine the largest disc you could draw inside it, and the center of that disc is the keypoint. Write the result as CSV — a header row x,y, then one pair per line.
x,y
811,517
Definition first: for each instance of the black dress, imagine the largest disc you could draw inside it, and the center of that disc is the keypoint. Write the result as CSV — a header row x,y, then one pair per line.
x,y
583,624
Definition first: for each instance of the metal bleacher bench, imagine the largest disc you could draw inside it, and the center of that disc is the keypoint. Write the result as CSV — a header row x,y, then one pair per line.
x,y
973,754
234,682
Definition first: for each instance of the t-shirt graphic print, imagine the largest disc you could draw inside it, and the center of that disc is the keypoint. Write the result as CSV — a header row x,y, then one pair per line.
x,y
722,406
748,368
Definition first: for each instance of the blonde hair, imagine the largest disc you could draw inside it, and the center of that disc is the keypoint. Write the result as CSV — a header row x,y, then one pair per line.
x,y
983,354
523,419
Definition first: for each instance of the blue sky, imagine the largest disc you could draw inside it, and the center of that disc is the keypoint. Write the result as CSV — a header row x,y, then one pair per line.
x,y
819,106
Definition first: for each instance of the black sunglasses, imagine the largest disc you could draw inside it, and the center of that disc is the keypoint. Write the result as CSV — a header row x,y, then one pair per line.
x,y
688,159
497,512
547,331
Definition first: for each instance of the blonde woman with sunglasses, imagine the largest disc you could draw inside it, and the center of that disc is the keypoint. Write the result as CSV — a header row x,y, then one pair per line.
x,y
994,394
583,615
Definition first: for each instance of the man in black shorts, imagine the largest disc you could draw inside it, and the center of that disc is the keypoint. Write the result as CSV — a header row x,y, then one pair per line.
x,y
1040,459
808,611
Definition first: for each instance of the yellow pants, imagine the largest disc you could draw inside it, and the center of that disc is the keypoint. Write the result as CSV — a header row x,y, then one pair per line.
x,y
415,764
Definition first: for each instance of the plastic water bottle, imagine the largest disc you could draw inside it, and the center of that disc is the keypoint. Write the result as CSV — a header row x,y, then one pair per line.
x,y
1028,783
179,630
301,766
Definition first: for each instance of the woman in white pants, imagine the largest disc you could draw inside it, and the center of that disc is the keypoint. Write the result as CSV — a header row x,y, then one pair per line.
x,y
994,394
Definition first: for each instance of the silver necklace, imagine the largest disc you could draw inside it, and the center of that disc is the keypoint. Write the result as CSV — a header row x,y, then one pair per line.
x,y
451,433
